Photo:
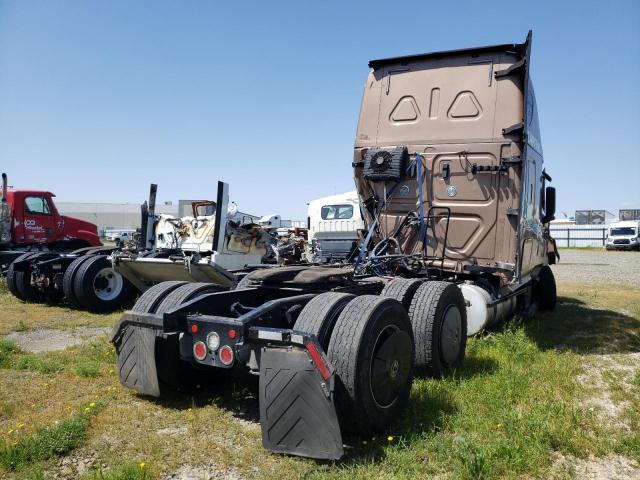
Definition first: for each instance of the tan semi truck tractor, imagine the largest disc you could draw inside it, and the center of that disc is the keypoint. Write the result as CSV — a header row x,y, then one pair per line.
x,y
449,171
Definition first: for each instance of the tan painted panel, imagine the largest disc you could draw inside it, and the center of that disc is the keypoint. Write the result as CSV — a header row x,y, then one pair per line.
x,y
452,109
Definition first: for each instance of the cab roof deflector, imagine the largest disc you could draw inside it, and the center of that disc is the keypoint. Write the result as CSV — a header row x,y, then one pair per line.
x,y
517,48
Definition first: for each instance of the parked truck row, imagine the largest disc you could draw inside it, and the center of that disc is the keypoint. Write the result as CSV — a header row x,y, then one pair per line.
x,y
49,257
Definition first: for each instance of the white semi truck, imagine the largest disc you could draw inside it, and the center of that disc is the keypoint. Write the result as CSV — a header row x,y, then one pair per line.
x,y
334,222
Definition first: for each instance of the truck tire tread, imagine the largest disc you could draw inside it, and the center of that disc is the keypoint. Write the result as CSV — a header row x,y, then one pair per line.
x,y
173,372
425,311
67,281
17,281
148,302
402,289
346,348
318,317
185,293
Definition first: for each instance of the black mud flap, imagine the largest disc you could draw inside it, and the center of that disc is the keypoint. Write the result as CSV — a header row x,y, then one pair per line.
x,y
136,362
297,413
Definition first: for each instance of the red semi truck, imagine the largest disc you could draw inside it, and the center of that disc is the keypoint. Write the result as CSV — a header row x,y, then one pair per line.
x,y
30,219
38,247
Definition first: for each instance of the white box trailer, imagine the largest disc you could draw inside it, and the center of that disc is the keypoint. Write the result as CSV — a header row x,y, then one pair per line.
x,y
334,222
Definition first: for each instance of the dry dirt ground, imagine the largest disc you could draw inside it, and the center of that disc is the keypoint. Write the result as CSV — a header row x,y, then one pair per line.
x,y
51,339
598,267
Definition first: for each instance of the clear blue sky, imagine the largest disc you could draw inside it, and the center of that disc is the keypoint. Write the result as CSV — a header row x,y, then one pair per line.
x,y
99,98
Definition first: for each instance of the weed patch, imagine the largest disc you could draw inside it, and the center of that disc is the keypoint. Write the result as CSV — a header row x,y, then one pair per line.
x,y
49,442
132,471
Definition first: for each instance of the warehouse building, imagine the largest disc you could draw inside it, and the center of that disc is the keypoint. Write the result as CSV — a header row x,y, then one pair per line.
x,y
111,216
125,216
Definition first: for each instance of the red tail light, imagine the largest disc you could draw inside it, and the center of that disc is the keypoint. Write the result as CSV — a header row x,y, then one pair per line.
x,y
194,328
226,355
232,333
199,350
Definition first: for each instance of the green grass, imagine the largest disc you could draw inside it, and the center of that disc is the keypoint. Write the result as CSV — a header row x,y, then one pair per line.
x,y
19,316
138,471
86,360
517,402
21,326
48,442
499,416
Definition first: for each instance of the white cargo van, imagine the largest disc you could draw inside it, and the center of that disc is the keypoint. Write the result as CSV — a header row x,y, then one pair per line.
x,y
623,235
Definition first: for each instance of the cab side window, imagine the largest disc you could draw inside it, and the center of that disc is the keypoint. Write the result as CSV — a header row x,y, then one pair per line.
x,y
37,205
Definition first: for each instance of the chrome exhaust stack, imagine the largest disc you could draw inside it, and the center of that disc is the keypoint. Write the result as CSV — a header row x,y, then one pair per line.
x,y
5,221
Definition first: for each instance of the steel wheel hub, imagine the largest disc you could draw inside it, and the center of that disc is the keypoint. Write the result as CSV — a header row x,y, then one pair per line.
x,y
107,284
390,365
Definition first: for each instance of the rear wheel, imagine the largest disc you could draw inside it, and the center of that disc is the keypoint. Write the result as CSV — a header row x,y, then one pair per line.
x,y
186,293
151,298
402,289
130,339
68,279
319,316
545,289
372,351
99,288
19,283
172,371
439,319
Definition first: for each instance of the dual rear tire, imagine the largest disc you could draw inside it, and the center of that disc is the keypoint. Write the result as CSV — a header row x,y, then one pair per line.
x,y
91,282
173,373
374,343
19,282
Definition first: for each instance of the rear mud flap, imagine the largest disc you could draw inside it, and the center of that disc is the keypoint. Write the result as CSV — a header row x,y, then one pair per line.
x,y
297,413
136,361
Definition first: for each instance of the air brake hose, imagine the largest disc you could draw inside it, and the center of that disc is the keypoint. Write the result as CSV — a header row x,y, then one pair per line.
x,y
363,248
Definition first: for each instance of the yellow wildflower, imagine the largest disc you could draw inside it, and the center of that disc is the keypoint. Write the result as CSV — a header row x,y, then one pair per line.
x,y
390,438
92,404
142,464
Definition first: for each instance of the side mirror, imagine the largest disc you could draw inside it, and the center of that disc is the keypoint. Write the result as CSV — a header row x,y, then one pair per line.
x,y
549,205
